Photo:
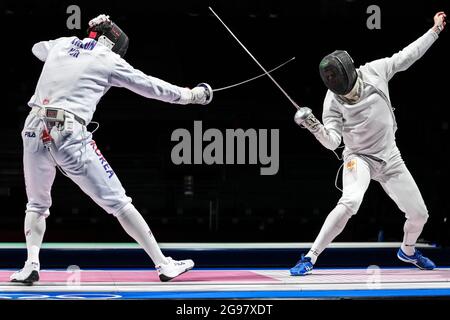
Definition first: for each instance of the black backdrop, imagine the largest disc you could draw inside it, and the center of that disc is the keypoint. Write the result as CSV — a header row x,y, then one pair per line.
x,y
181,42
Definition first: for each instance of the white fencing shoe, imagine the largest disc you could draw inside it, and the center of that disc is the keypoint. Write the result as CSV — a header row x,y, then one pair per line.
x,y
28,274
173,269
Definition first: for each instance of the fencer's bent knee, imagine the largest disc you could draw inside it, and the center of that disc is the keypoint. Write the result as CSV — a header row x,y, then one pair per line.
x,y
44,213
129,207
424,214
352,202
343,215
40,203
419,217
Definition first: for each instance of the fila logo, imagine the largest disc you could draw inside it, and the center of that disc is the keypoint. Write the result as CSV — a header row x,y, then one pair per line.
x,y
30,134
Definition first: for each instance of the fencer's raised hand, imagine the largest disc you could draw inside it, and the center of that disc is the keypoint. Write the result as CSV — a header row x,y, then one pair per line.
x,y
439,21
305,118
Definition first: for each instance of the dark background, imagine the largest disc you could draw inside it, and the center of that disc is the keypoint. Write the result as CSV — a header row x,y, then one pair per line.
x,y
181,42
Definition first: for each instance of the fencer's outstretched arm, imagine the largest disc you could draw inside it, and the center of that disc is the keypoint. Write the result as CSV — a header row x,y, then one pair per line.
x,y
403,59
329,134
124,75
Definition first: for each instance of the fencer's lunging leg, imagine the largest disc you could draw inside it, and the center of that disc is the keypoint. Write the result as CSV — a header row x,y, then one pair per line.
x,y
87,167
83,162
135,225
356,179
332,227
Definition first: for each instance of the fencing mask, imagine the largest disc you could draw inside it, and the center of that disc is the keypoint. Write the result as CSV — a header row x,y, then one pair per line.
x,y
338,72
109,34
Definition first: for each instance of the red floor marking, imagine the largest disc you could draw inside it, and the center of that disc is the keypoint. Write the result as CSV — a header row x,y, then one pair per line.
x,y
147,276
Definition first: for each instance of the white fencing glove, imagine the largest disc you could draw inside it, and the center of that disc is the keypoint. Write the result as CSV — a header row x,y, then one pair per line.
x,y
201,94
305,118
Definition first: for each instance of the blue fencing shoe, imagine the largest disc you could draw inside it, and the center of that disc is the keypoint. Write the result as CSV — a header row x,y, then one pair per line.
x,y
303,267
416,259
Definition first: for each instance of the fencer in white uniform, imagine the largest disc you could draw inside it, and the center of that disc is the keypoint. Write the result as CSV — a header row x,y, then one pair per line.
x,y
357,109
76,74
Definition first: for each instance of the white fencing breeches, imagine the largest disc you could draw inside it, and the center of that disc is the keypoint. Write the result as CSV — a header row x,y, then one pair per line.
x,y
77,154
395,179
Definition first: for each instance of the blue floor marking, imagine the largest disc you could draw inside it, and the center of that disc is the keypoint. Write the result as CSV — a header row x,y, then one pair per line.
x,y
324,294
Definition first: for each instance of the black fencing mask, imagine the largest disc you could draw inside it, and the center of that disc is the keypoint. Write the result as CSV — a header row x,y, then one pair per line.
x,y
108,33
338,72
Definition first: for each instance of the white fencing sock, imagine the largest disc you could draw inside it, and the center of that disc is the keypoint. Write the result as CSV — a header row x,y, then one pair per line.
x,y
412,232
135,225
34,234
332,227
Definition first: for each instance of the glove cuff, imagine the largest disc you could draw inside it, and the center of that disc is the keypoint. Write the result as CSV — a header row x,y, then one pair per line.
x,y
185,96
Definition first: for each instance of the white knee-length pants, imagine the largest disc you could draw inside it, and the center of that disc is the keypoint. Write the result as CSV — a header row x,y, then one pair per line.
x,y
77,154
